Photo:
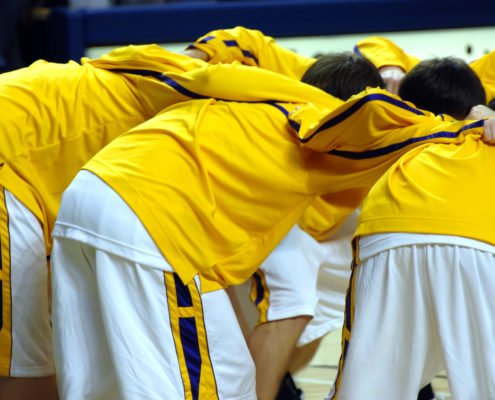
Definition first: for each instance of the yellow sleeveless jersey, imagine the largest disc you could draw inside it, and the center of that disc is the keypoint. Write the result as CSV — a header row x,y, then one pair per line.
x,y
439,189
253,48
218,184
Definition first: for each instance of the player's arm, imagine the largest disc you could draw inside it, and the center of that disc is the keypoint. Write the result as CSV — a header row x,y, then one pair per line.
x,y
480,112
383,52
242,83
485,69
249,47
376,123
391,60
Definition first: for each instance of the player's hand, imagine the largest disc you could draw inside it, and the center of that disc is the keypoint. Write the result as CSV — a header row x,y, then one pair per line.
x,y
480,112
392,76
489,130
196,53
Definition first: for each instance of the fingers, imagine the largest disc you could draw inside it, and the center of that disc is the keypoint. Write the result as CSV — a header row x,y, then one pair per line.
x,y
196,53
480,112
489,130
392,76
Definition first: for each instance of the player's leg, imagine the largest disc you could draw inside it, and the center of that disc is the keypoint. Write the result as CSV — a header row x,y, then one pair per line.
x,y
332,282
465,308
153,336
390,344
271,346
137,332
81,354
284,291
26,364
231,360
302,355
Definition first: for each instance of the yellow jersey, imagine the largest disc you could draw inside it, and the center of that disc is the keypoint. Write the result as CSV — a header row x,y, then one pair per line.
x,y
218,184
485,69
251,47
55,117
382,52
438,189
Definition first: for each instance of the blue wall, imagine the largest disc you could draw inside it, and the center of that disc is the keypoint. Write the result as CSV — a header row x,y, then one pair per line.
x,y
67,33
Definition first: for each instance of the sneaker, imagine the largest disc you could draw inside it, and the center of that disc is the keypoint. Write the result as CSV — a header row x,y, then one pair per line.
x,y
426,393
288,389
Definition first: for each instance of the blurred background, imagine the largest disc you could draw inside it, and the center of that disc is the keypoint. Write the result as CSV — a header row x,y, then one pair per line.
x,y
60,30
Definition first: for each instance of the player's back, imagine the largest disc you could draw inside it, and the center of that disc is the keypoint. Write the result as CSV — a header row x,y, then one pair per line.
x,y
220,183
54,118
440,189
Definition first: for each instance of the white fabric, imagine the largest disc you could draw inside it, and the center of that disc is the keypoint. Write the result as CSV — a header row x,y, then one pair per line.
x,y
291,271
371,245
333,281
111,324
307,277
31,331
98,216
421,308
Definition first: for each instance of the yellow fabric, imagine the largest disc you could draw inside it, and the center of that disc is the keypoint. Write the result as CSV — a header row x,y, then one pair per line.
x,y
252,47
186,353
260,295
144,57
485,69
199,178
6,291
383,52
250,85
327,212
439,189
219,184
56,116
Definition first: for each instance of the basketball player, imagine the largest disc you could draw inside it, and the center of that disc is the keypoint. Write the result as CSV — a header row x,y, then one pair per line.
x,y
286,297
189,203
424,250
54,118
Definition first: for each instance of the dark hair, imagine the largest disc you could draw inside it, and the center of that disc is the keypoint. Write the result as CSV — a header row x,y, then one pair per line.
x,y
491,104
443,86
343,74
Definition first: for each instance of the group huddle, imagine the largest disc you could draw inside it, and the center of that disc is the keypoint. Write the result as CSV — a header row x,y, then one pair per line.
x,y
353,189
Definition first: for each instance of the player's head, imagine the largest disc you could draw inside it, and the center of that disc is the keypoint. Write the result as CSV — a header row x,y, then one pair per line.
x,y
343,74
443,86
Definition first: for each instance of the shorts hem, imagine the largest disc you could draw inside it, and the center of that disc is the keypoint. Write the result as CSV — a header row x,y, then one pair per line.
x,y
37,372
284,314
315,334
